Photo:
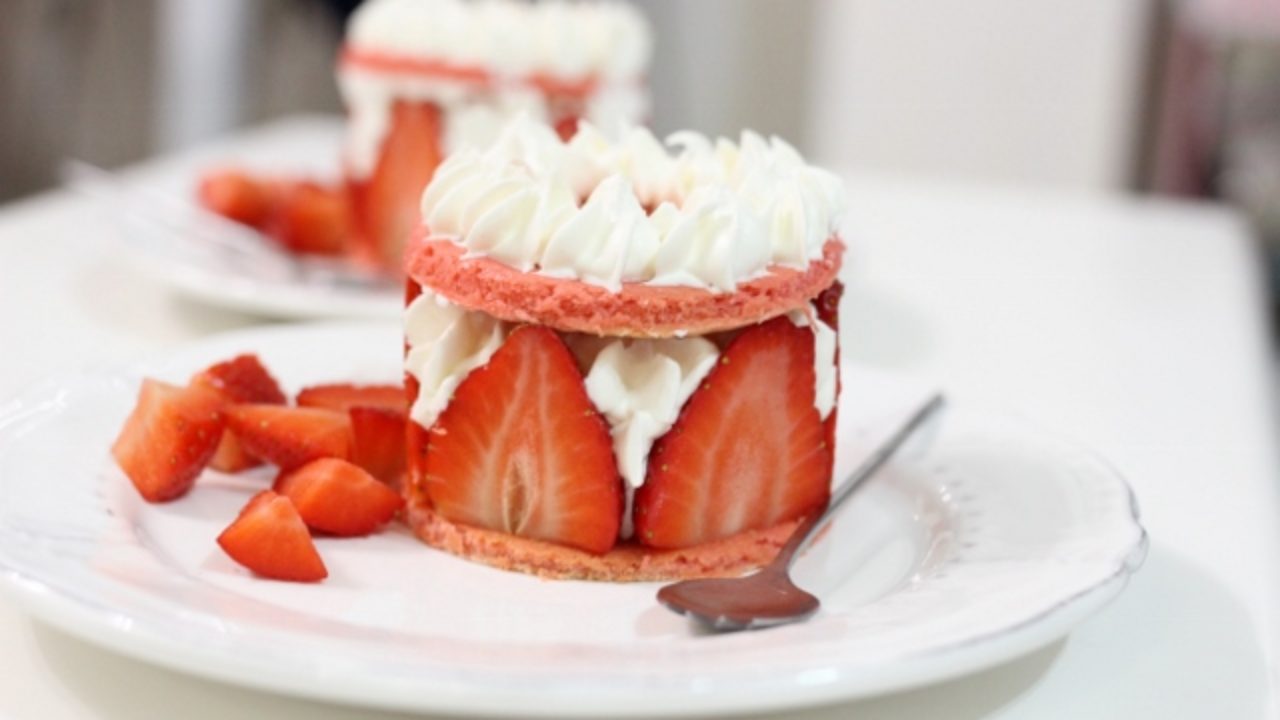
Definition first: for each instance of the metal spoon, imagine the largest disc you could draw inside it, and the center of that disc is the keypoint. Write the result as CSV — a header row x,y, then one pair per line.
x,y
768,597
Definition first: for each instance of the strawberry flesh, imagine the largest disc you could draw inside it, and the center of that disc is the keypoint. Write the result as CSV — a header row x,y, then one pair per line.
x,y
521,449
748,449
291,437
311,219
344,396
168,438
339,498
242,379
378,437
270,538
827,306
237,196
386,204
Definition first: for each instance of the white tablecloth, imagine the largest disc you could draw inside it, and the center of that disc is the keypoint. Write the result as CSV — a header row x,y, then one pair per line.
x,y
1134,326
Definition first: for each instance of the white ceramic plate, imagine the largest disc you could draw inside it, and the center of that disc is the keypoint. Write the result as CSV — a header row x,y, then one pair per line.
x,y
219,263
993,543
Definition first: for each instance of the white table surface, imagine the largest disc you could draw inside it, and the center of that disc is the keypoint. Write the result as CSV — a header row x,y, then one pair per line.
x,y
1134,326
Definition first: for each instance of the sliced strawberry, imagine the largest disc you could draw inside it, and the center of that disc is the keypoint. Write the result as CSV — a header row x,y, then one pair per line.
x,y
416,441
237,196
567,127
344,396
242,379
386,204
168,438
270,538
379,441
411,292
521,449
748,449
827,305
291,437
312,219
339,498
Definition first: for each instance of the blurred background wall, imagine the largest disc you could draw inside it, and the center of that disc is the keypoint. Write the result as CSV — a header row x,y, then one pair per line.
x,y
1174,96
1048,92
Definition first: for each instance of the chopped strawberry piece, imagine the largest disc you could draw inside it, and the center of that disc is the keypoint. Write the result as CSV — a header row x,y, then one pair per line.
x,y
379,441
521,449
747,451
237,196
231,457
344,396
242,379
339,498
386,204
311,219
291,437
827,305
270,538
168,438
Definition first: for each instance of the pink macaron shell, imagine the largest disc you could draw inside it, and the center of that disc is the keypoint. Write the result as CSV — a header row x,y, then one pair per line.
x,y
637,310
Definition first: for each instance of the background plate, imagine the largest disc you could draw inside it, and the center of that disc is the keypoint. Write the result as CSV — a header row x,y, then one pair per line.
x,y
154,211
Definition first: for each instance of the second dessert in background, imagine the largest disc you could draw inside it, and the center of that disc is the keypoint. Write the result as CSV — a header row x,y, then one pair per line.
x,y
423,78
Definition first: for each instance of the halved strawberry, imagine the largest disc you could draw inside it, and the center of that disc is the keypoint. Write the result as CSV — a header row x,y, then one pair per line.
x,y
416,441
379,441
311,218
567,127
242,379
238,196
521,449
270,538
386,204
339,498
827,305
747,451
344,396
168,438
291,437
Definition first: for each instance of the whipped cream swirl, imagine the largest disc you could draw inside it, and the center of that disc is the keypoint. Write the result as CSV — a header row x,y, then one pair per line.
x,y
607,41
693,212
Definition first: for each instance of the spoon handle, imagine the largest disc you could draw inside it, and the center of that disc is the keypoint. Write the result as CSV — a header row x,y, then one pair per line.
x,y
858,478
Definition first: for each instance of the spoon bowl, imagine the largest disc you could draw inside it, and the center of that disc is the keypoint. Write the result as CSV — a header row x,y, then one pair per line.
x,y
760,600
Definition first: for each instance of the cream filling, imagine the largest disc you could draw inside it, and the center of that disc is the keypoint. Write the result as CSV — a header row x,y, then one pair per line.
x,y
445,343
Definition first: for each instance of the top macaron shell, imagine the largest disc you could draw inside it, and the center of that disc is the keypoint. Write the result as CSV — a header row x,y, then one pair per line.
x,y
636,310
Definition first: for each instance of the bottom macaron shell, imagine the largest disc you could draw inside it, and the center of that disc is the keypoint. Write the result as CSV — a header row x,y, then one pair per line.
x,y
627,562
637,310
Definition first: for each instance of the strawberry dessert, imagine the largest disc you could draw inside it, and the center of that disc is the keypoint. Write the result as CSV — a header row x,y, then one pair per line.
x,y
621,356
422,78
